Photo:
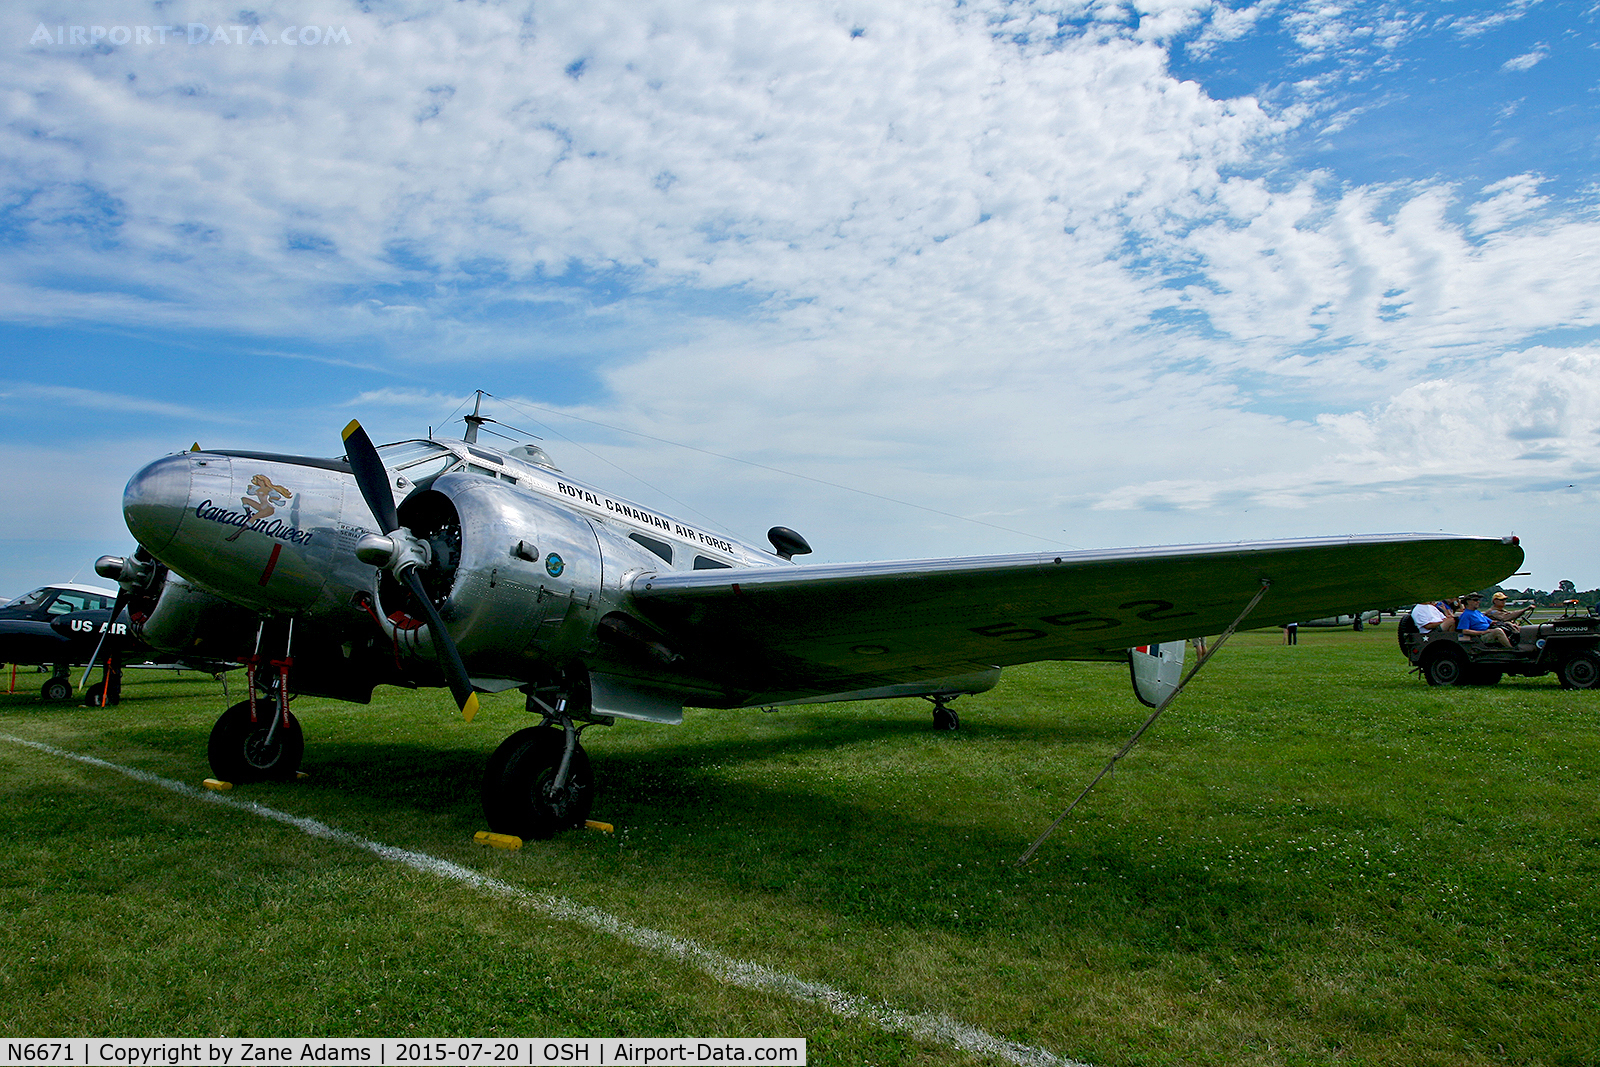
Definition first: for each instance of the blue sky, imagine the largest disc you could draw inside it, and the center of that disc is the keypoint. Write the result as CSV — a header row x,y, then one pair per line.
x,y
1083,274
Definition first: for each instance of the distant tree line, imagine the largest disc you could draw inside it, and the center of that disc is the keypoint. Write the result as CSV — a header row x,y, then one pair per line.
x,y
1562,593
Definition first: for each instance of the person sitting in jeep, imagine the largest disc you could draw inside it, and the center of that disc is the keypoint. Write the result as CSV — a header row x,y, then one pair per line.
x,y
1477,625
1430,618
1508,620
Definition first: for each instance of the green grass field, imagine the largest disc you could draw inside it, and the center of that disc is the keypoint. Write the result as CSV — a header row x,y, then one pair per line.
x,y
1313,858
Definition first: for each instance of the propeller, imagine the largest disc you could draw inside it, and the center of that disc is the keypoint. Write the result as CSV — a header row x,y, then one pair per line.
x,y
116,610
403,553
134,575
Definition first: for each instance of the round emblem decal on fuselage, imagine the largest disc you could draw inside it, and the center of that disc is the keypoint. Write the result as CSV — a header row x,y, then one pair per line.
x,y
553,565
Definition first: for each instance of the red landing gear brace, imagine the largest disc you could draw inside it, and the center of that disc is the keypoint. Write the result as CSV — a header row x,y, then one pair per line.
x,y
253,663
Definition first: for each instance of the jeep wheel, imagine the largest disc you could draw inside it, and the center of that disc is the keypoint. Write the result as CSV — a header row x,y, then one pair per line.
x,y
1581,672
1447,667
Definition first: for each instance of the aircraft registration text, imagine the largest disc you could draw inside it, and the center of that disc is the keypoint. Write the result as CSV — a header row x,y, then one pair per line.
x,y
1085,619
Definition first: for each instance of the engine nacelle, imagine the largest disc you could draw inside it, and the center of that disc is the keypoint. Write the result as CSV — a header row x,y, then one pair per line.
x,y
186,621
520,580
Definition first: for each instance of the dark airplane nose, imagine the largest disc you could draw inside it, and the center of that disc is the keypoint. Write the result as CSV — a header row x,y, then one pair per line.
x,y
157,499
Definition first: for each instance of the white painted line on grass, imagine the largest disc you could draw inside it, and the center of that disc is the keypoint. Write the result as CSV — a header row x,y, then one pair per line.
x,y
743,973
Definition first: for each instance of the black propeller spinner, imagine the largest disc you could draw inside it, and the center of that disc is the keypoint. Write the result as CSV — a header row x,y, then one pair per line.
x,y
402,552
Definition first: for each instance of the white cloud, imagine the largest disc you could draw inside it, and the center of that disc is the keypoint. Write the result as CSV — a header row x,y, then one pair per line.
x,y
1526,61
946,253
23,398
1525,423
1473,26
1508,200
893,173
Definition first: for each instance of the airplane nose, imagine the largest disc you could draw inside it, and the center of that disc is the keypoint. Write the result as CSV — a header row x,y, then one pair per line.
x,y
156,500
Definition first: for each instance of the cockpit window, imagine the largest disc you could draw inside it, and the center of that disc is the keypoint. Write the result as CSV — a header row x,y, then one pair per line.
x,y
417,459
70,601
32,600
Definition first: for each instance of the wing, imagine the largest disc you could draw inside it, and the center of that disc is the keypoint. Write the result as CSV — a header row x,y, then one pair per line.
x,y
783,634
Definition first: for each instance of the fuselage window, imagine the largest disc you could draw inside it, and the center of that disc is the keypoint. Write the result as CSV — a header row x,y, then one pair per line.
x,y
706,563
482,470
660,548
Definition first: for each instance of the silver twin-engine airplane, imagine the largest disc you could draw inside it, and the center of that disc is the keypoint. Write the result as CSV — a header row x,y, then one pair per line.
x,y
428,562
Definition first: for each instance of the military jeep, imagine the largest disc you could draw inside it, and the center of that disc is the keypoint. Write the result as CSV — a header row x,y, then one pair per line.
x,y
1568,646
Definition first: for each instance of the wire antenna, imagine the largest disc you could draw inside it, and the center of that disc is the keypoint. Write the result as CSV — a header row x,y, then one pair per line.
x,y
787,473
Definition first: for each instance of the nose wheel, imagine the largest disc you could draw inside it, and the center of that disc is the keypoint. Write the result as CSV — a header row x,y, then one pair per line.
x,y
57,688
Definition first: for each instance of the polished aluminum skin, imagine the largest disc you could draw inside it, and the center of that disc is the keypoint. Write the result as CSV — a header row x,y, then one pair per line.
x,y
539,578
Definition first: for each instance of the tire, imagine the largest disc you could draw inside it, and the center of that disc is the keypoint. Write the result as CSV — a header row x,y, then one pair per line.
x,y
946,719
56,690
238,751
514,800
1448,667
95,695
1582,671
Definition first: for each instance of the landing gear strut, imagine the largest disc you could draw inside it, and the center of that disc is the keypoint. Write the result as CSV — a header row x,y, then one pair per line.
x,y
944,716
107,692
259,740
538,781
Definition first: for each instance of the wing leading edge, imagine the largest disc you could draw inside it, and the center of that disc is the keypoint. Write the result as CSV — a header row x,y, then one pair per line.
x,y
780,634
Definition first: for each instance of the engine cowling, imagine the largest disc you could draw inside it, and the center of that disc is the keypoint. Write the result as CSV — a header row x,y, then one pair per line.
x,y
189,621
518,579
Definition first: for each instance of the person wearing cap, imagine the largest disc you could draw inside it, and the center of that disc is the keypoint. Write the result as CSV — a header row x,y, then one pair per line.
x,y
1479,626
1497,611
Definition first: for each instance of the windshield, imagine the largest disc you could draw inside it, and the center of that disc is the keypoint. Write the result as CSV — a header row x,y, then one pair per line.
x,y
32,600
418,459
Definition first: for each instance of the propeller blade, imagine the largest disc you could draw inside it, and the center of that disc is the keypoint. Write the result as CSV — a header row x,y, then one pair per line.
x,y
373,480
371,476
116,610
445,647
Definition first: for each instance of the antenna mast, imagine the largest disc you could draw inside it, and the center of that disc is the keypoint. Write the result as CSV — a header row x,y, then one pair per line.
x,y
474,420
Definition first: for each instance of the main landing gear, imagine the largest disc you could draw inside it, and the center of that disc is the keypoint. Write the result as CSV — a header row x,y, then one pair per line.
x,y
107,692
538,781
265,749
259,739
